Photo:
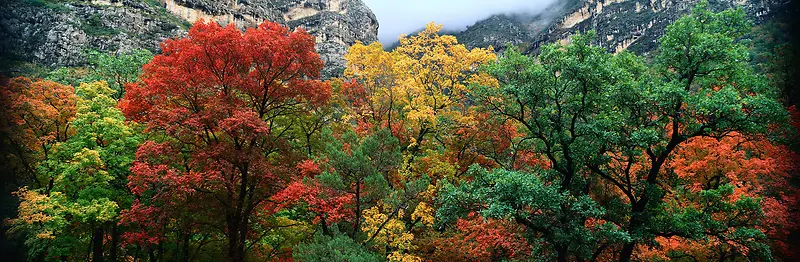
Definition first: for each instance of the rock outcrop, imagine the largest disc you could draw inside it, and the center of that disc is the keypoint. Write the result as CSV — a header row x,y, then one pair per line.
x,y
634,25
58,33
337,24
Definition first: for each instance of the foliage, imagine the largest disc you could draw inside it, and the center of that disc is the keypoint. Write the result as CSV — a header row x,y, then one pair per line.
x,y
54,5
480,239
227,146
736,183
552,215
36,116
94,26
218,103
120,69
609,127
389,232
39,217
774,54
418,91
86,176
339,248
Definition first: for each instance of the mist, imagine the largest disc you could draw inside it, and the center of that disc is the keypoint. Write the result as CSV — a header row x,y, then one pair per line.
x,y
404,17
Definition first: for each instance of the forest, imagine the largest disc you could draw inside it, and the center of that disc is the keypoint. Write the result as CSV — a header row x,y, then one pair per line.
x,y
229,146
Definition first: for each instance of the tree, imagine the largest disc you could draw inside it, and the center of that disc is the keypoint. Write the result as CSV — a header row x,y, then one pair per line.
x,y
39,217
706,89
416,94
339,248
361,167
349,191
608,126
753,175
555,218
418,91
36,116
327,204
119,69
774,54
480,239
557,100
219,103
87,174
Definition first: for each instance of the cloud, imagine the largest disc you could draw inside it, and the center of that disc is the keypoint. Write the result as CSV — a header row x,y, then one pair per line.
x,y
403,17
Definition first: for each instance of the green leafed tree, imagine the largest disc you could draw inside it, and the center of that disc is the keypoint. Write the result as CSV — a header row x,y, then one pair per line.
x,y
363,167
608,124
89,173
118,69
702,85
556,219
338,248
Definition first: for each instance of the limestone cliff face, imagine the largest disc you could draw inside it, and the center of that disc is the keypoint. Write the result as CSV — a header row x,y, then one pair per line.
x,y
635,25
60,33
57,33
337,24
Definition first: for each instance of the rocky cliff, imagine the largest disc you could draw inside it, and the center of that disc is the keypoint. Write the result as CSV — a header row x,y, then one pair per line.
x,y
337,24
635,25
58,33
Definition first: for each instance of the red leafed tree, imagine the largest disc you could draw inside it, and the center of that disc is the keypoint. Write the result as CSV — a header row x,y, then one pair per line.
x,y
329,205
757,168
221,103
479,239
35,115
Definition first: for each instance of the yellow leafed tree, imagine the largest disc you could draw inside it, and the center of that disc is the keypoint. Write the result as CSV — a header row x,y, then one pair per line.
x,y
418,90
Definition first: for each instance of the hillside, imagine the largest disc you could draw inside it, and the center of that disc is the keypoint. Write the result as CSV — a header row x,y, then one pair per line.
x,y
58,33
620,24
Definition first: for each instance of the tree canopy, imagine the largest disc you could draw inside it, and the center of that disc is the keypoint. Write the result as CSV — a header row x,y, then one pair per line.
x,y
229,146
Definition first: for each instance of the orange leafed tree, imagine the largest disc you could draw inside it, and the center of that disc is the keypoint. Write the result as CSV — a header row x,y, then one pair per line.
x,y
755,168
479,239
36,115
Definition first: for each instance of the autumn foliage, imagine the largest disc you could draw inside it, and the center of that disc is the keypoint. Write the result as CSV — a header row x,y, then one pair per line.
x,y
218,97
756,169
229,146
480,239
36,115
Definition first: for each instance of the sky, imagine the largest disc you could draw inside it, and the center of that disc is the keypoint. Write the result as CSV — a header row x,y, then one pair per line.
x,y
407,16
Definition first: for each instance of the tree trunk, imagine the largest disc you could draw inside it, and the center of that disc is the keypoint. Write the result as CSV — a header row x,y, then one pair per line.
x,y
235,245
627,251
324,224
160,254
185,251
356,224
637,210
97,242
114,242
41,256
152,254
562,254
308,143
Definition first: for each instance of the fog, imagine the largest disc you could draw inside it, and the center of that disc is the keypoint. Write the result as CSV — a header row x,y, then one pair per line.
x,y
407,16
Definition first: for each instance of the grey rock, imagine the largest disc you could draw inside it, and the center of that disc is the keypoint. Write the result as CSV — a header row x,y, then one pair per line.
x,y
55,34
337,24
58,34
634,25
